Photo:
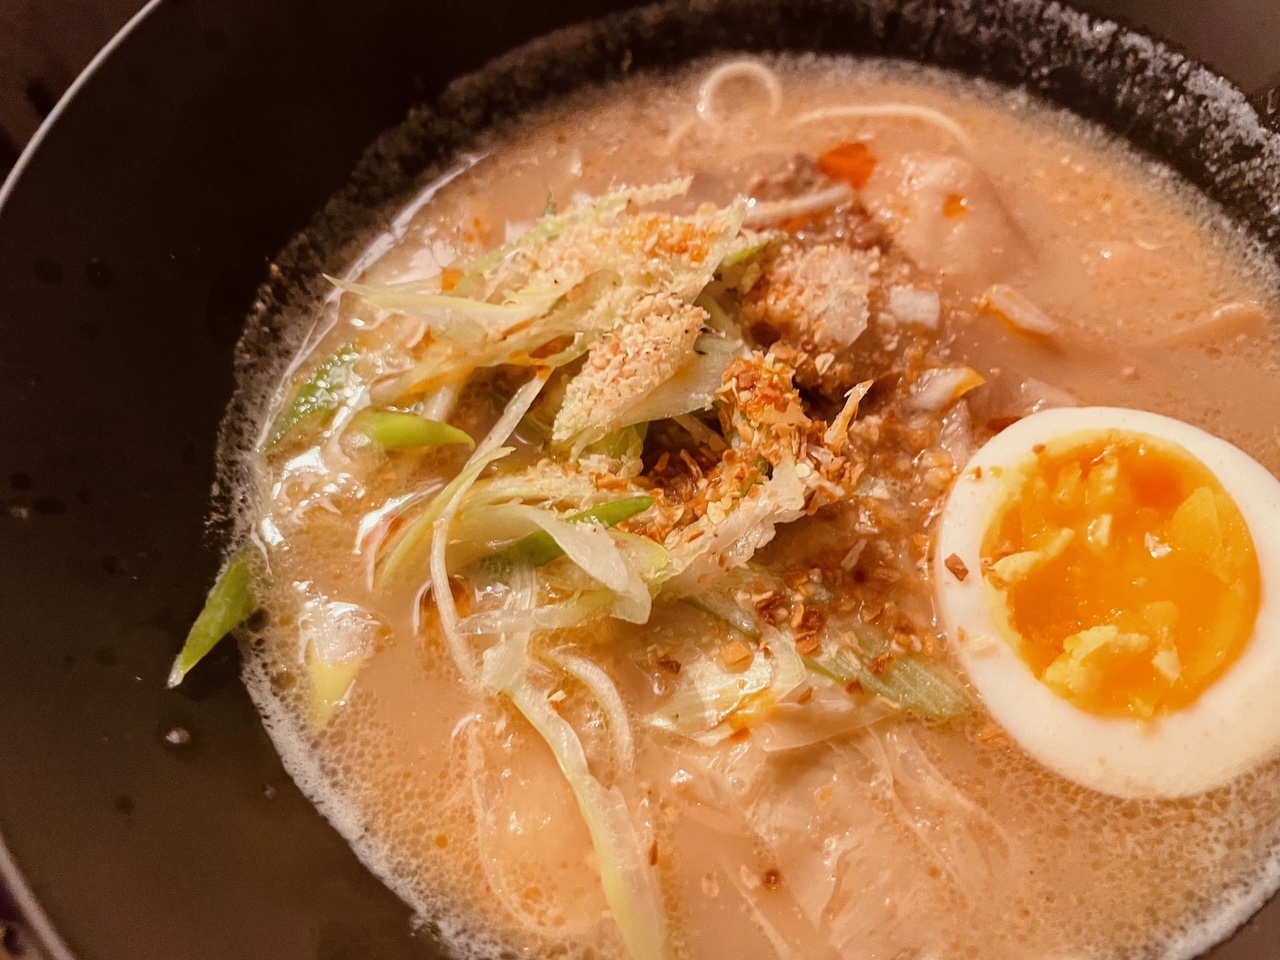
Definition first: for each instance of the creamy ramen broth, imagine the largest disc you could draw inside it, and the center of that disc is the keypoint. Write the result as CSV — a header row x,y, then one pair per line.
x,y
814,819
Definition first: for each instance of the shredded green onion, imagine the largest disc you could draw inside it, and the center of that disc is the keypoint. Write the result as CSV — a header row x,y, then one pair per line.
x,y
230,603
539,548
319,395
627,442
919,686
453,317
718,604
394,430
744,255
417,534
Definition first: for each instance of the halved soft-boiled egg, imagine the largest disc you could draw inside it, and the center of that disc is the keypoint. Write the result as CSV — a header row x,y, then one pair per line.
x,y
1111,581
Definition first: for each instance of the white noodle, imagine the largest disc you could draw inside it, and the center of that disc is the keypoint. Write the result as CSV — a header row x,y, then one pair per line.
x,y
678,133
892,111
763,212
1230,320
605,691
735,70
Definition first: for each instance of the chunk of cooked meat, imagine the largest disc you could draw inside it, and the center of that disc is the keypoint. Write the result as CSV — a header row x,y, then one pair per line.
x,y
816,302
800,174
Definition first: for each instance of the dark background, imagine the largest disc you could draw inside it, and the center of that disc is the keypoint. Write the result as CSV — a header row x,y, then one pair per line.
x,y
43,45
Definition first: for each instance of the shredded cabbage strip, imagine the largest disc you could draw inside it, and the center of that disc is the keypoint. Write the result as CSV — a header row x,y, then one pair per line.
x,y
412,538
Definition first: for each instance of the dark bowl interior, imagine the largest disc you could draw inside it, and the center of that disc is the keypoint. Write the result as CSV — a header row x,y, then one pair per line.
x,y
132,244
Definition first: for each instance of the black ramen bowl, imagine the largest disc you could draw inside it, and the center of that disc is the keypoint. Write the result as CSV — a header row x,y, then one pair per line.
x,y
134,237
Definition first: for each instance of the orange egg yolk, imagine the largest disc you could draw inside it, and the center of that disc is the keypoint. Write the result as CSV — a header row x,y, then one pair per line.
x,y
1124,572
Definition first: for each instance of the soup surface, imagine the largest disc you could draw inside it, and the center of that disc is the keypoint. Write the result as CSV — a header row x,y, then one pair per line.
x,y
686,693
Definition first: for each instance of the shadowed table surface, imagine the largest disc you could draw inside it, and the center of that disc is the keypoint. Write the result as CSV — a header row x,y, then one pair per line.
x,y
43,45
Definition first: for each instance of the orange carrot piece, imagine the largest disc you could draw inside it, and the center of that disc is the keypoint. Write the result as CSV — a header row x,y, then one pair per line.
x,y
955,206
449,278
851,162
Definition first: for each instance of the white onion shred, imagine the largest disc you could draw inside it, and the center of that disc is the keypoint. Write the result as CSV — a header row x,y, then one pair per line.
x,y
555,616
940,387
956,439
486,452
446,609
1014,310
376,525
629,882
593,550
441,403
1036,395
838,432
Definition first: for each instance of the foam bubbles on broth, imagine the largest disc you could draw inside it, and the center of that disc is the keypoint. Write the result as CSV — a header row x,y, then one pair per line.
x,y
1069,873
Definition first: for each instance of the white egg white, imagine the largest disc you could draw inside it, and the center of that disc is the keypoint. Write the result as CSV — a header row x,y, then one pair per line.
x,y
1232,727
